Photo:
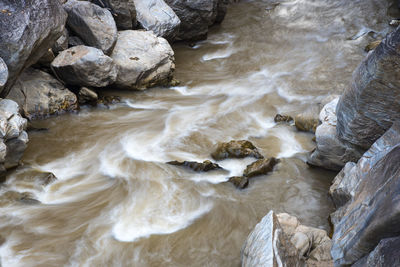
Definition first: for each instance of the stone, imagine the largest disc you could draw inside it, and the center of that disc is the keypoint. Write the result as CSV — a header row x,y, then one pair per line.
x,y
236,149
222,8
27,30
240,182
87,96
75,41
267,245
157,16
61,43
260,167
143,60
373,213
386,253
40,95
308,120
15,150
344,184
197,166
371,46
93,24
332,153
282,118
3,74
124,12
370,105
85,66
394,22
46,59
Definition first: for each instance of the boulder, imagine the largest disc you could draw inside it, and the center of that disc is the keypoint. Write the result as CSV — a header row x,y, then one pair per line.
x,y
282,118
87,96
197,166
371,104
93,24
40,95
27,30
143,59
373,213
260,167
386,253
3,74
157,16
308,120
236,149
331,152
61,43
124,12
85,66
240,182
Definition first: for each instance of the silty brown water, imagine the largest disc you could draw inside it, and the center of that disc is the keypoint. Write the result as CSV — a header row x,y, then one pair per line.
x,y
116,202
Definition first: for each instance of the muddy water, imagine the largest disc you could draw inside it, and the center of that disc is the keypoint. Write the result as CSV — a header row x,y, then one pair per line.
x,y
116,202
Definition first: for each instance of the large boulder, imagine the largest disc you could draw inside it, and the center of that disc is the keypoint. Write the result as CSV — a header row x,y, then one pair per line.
x,y
386,254
3,74
197,16
27,30
124,12
40,95
373,212
157,16
93,24
85,66
143,60
371,104
331,152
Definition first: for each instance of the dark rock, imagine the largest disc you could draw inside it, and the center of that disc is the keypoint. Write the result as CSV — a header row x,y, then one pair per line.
x,y
124,12
27,30
45,60
222,8
3,74
85,66
240,182
108,100
385,254
260,167
93,24
61,43
344,184
87,96
282,118
236,149
370,105
197,166
75,41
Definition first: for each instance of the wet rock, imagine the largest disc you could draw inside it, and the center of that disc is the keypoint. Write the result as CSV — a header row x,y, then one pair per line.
x,y
93,24
107,100
87,96
40,95
85,66
386,253
371,46
240,182
370,105
3,74
157,16
124,12
197,166
236,149
29,177
308,120
61,43
260,167
27,30
10,197
331,152
282,118
143,60
373,212
267,245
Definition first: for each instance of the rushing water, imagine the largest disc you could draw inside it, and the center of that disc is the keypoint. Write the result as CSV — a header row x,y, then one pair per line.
x,y
116,202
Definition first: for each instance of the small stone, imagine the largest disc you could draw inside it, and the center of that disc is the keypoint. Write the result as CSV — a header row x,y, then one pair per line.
x,y
282,118
197,166
394,22
260,167
87,96
240,182
236,149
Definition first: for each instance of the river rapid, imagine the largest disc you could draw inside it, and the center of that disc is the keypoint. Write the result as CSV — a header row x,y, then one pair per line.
x,y
116,202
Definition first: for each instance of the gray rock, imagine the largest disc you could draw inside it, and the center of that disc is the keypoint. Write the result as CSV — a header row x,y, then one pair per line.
x,y
40,95
385,254
85,66
344,184
267,245
93,24
3,74
331,152
27,30
87,96
373,213
370,105
61,43
143,60
157,16
124,12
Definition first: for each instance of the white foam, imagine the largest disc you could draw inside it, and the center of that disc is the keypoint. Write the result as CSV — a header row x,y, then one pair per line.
x,y
225,53
289,145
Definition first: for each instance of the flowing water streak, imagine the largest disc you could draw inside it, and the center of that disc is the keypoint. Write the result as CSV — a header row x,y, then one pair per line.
x,y
116,202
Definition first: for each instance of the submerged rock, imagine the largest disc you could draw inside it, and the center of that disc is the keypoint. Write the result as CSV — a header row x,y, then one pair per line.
x,y
40,95
143,60
260,167
240,182
205,166
27,30
282,118
236,149
124,12
85,66
308,120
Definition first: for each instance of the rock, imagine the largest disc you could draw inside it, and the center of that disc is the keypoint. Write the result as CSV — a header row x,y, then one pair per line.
x,y
61,43
3,74
373,213
267,245
240,182
308,120
260,167
394,22
93,24
222,8
27,30
143,59
282,118
157,16
331,152
197,166
75,41
236,149
85,66
370,105
371,46
344,184
196,16
46,59
87,96
124,12
386,253
10,197
40,95
15,148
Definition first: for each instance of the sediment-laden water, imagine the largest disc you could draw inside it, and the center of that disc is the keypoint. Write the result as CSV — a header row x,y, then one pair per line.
x,y
116,202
